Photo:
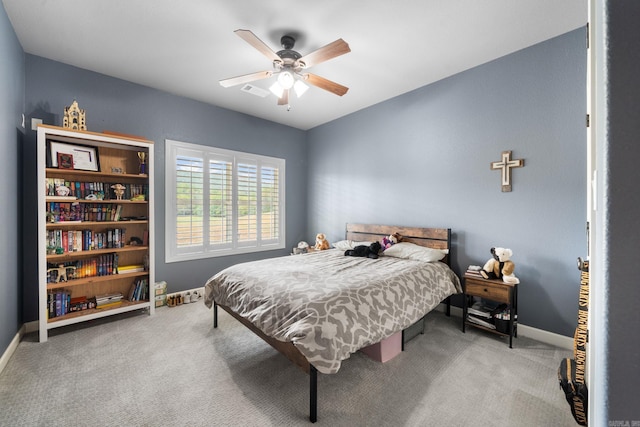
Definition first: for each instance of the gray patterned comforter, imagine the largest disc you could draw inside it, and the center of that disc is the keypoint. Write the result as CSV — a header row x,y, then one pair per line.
x,y
330,305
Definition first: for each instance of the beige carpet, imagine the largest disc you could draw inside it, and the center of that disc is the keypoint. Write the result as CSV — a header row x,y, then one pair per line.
x,y
174,369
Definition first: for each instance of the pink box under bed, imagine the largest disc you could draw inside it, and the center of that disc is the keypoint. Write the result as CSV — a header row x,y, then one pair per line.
x,y
386,349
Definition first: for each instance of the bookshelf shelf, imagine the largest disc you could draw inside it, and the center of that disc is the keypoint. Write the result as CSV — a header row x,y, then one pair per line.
x,y
96,280
55,172
74,221
54,199
96,313
88,254
84,224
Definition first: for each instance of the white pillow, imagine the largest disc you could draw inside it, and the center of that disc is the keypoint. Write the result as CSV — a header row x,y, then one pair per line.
x,y
343,245
414,252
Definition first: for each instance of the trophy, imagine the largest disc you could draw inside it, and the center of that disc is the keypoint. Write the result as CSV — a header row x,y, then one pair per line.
x,y
142,156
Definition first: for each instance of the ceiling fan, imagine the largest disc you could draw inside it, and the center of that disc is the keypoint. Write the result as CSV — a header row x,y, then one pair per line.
x,y
290,67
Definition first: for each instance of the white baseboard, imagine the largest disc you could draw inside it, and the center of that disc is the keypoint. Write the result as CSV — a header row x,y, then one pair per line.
x,y
13,345
31,327
526,331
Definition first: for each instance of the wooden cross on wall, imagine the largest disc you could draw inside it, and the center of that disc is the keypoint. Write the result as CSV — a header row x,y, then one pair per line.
x,y
505,165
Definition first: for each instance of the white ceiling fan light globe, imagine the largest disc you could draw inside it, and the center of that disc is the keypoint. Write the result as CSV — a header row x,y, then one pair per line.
x,y
286,80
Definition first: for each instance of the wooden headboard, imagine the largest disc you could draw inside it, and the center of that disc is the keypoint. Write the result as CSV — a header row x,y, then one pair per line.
x,y
436,238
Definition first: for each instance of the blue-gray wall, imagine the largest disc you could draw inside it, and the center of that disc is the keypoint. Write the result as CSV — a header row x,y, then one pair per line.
x,y
423,159
117,105
616,344
11,105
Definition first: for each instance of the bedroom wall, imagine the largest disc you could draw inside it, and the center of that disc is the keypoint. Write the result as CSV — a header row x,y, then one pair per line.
x,y
617,348
423,159
11,105
117,105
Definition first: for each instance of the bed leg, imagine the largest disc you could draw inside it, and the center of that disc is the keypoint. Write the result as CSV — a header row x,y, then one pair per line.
x,y
215,315
449,306
313,394
402,341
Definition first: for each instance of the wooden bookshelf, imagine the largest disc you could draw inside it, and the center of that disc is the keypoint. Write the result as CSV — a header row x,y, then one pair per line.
x,y
81,231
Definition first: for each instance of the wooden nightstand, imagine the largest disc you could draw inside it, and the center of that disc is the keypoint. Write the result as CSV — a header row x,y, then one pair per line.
x,y
493,290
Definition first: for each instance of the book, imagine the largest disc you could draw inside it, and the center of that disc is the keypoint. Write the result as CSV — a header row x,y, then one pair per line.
x,y
479,313
102,300
130,268
480,322
109,305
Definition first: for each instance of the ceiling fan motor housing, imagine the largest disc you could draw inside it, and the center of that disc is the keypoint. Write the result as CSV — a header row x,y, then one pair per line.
x,y
288,55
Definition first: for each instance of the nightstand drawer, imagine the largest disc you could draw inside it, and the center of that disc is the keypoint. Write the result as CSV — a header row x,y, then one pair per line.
x,y
488,291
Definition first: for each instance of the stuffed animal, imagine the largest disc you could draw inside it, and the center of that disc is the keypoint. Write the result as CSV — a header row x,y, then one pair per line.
x,y
365,251
321,242
302,248
500,266
391,240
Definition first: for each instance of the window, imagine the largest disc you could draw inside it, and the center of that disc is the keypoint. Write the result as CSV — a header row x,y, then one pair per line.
x,y
221,202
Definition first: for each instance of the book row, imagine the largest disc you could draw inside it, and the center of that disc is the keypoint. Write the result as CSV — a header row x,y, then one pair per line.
x,y
65,241
61,212
60,303
139,290
95,190
103,265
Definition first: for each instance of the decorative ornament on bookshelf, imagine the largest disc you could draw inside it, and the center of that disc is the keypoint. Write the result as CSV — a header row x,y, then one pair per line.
x,y
142,156
61,271
118,189
63,190
74,117
65,161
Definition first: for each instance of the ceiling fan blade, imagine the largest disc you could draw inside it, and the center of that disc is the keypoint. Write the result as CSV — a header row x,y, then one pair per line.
x,y
325,84
233,81
325,53
254,41
284,99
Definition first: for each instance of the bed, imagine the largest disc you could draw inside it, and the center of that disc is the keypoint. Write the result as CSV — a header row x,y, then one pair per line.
x,y
320,307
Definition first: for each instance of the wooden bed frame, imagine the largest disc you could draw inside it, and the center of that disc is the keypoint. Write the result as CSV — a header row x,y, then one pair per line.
x,y
436,238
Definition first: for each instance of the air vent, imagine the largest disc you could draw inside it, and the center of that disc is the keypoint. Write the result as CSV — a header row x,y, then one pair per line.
x,y
254,90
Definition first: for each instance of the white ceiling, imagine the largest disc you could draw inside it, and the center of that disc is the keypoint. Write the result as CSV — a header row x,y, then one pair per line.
x,y
185,47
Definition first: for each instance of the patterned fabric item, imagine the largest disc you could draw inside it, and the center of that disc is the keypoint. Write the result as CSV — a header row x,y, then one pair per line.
x,y
329,305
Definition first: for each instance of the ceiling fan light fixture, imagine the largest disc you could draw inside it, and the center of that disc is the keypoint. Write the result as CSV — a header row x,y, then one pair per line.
x,y
286,79
300,88
276,89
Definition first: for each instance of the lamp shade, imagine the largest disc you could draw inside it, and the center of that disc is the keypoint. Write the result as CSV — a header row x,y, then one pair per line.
x,y
276,89
300,88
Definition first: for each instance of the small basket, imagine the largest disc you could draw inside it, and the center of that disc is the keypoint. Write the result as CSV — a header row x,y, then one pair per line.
x,y
502,325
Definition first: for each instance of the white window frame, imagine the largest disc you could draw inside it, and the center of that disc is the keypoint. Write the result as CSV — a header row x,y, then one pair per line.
x,y
173,253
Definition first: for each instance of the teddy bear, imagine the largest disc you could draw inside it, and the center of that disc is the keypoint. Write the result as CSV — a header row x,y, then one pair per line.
x,y
391,240
321,242
500,266
367,251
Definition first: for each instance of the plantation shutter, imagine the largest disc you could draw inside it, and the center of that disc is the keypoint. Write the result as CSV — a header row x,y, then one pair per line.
x,y
220,202
270,203
189,202
247,203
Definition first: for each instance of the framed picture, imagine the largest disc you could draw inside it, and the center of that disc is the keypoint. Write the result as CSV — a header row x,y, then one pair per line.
x,y
65,161
83,157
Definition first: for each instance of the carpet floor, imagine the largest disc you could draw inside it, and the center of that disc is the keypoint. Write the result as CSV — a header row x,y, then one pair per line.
x,y
174,369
